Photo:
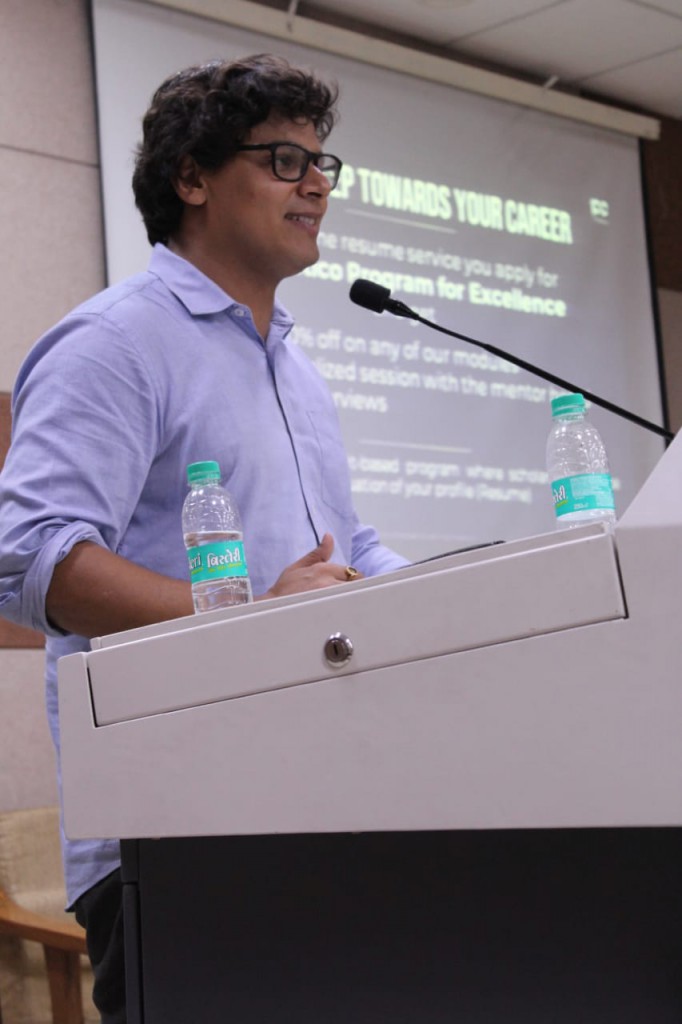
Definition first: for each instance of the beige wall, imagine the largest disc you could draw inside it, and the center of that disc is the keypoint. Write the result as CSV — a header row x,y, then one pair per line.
x,y
52,257
27,763
50,233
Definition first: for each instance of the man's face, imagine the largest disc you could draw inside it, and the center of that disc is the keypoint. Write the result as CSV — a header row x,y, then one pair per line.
x,y
256,226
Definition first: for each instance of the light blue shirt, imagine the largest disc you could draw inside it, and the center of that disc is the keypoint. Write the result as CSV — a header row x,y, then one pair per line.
x,y
110,407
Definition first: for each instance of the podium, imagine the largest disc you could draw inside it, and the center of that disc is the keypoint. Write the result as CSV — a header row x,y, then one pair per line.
x,y
450,793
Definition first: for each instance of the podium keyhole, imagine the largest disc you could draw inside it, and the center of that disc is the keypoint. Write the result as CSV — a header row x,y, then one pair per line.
x,y
338,649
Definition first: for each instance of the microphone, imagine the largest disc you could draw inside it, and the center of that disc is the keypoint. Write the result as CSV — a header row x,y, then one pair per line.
x,y
377,298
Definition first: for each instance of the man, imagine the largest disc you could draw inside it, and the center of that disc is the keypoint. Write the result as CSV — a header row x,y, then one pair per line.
x,y
185,362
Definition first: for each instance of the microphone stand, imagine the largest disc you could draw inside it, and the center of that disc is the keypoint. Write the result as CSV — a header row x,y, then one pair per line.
x,y
400,309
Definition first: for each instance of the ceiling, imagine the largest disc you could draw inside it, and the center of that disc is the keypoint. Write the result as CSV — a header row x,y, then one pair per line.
x,y
625,51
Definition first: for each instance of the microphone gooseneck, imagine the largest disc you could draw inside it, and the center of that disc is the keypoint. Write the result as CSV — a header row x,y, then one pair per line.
x,y
378,299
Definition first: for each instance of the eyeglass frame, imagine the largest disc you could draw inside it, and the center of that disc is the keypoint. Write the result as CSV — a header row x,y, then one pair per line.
x,y
311,157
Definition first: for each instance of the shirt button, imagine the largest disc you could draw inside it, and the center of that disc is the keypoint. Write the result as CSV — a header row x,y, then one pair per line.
x,y
238,311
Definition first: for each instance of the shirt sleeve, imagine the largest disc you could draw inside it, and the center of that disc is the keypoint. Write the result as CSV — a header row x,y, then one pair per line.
x,y
85,429
370,556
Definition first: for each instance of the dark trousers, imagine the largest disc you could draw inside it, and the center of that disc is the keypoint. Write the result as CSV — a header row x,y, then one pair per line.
x,y
100,912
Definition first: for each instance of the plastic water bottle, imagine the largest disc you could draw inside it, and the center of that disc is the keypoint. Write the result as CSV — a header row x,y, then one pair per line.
x,y
214,540
577,467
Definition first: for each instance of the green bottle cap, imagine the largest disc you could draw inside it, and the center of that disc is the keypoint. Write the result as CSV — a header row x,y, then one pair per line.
x,y
202,472
565,405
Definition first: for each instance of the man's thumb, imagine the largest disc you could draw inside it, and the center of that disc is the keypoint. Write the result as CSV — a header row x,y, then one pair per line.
x,y
322,553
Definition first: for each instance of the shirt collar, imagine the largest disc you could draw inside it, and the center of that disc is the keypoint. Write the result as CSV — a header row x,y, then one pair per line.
x,y
198,293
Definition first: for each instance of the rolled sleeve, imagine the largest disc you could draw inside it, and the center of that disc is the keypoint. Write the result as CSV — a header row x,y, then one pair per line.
x,y
23,601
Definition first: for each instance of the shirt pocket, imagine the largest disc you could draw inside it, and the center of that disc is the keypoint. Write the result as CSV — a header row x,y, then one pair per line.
x,y
334,474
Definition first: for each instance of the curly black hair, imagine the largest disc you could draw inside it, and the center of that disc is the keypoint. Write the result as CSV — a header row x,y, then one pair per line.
x,y
206,112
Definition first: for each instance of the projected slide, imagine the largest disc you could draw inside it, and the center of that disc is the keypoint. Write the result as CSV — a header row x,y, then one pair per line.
x,y
516,228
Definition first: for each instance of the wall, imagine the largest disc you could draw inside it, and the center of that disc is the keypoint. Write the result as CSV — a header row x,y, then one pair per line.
x,y
52,258
662,162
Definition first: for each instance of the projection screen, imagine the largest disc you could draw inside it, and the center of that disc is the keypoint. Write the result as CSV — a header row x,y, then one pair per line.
x,y
515,227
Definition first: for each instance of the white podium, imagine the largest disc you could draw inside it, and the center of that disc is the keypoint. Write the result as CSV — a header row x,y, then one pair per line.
x,y
494,773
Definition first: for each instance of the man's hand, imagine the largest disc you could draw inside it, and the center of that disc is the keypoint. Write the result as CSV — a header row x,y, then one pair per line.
x,y
312,572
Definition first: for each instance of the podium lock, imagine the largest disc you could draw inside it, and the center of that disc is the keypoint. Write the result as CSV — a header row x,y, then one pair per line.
x,y
338,649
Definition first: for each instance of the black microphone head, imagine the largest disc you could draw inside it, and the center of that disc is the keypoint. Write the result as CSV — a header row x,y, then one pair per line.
x,y
369,295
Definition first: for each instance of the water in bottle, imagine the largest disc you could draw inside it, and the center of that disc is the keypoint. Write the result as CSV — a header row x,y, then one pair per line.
x,y
577,466
214,540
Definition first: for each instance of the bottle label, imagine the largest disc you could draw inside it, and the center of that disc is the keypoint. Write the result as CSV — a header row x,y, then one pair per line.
x,y
217,560
585,492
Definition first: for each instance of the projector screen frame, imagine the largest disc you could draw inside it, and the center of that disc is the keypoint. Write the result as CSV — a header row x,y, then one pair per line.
x,y
346,43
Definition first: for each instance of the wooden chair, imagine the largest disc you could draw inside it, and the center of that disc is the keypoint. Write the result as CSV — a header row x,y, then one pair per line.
x,y
31,901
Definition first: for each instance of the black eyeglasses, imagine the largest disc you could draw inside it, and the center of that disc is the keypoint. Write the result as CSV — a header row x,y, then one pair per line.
x,y
290,161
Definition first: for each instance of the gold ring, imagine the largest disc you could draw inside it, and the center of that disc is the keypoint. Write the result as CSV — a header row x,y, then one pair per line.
x,y
351,573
